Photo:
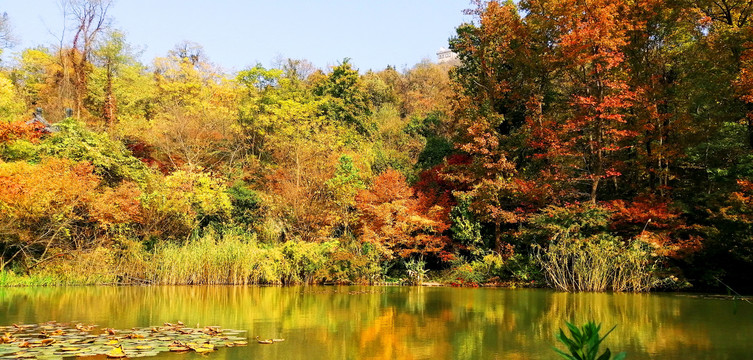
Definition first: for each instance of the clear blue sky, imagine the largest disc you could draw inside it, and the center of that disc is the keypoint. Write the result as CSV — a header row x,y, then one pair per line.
x,y
239,33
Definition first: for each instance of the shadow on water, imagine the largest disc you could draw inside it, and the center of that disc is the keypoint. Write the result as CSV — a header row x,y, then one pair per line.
x,y
403,322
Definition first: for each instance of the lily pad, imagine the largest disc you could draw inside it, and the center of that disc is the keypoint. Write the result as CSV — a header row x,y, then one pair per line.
x,y
54,340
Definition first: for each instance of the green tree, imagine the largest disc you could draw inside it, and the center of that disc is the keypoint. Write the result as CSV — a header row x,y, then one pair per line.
x,y
346,99
345,184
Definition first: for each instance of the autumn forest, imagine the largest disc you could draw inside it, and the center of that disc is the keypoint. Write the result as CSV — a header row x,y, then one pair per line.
x,y
597,145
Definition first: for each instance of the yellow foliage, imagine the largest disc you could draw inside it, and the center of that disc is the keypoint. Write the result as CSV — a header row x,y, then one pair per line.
x,y
11,106
176,205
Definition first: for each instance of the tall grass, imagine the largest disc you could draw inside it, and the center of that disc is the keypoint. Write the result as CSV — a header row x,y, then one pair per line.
x,y
230,257
10,278
238,259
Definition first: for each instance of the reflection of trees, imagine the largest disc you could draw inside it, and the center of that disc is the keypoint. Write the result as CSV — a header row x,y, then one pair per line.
x,y
402,322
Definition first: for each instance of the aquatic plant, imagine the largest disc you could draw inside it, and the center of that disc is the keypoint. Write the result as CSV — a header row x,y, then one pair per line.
x,y
53,340
585,342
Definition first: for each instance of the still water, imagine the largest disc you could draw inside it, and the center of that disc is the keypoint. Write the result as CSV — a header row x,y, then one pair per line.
x,y
402,322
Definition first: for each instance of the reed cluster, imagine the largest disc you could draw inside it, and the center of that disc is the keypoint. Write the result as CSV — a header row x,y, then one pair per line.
x,y
227,258
598,263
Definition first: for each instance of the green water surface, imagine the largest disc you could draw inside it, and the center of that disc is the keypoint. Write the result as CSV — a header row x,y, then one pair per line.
x,y
402,322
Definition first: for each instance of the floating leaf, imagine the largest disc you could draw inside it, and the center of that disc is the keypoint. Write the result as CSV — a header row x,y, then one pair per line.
x,y
71,340
116,353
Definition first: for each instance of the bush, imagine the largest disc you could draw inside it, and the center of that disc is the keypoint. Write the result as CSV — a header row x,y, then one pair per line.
x,y
246,204
355,262
111,160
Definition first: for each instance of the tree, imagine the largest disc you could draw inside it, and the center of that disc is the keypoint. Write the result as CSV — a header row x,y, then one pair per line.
x,y
344,186
195,114
6,34
11,105
182,203
121,89
90,19
346,99
297,146
110,160
112,54
44,207
587,133
400,222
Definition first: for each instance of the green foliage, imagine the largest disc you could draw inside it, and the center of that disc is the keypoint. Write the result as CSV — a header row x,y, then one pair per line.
x,y
10,278
466,229
111,160
522,267
489,267
259,78
724,156
465,274
183,202
130,83
385,158
426,126
305,262
572,221
246,205
20,150
346,100
346,181
434,152
354,262
32,73
416,270
585,343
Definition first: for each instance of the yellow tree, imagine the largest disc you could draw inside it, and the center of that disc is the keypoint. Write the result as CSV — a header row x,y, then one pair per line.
x,y
195,116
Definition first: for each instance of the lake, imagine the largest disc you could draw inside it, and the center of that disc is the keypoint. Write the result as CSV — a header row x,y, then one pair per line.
x,y
320,322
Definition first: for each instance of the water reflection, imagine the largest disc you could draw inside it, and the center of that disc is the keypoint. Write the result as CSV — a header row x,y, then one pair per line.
x,y
402,322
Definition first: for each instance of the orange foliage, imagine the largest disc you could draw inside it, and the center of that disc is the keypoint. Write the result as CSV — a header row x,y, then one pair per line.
x,y
18,130
741,203
54,203
399,221
120,205
43,205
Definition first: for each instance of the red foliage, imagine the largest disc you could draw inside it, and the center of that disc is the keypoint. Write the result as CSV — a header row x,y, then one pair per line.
x,y
583,137
147,154
655,221
120,205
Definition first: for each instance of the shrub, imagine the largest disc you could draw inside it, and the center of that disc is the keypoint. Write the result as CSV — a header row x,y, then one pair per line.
x,y
111,160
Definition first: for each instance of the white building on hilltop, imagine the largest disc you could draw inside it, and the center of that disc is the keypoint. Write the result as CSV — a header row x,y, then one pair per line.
x,y
446,55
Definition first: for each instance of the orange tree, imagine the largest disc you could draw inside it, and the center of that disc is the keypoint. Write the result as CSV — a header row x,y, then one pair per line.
x,y
400,222
55,206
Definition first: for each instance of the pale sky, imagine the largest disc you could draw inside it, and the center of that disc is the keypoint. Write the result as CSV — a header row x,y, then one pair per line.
x,y
236,34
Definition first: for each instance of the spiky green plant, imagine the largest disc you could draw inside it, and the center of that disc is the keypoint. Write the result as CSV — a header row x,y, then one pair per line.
x,y
584,344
